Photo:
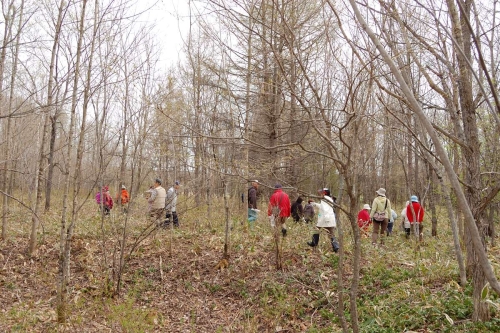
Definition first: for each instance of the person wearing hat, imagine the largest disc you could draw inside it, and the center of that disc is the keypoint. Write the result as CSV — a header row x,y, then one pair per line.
x,y
278,209
157,202
107,202
405,223
380,212
415,214
364,220
124,198
171,204
252,201
309,211
326,220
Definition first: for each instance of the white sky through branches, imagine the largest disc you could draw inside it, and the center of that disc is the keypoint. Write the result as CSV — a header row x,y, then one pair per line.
x,y
171,21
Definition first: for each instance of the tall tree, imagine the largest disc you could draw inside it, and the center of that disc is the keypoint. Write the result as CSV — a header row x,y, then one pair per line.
x,y
6,129
477,244
67,228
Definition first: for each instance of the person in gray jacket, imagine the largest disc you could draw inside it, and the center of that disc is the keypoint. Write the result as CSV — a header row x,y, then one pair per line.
x,y
170,205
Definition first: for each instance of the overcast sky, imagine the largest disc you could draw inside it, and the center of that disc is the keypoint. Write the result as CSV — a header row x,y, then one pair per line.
x,y
171,20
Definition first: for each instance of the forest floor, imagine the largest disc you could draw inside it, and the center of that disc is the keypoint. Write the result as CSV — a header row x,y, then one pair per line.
x,y
172,281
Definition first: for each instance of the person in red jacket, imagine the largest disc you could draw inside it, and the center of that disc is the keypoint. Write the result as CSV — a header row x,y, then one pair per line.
x,y
364,220
278,211
415,213
279,208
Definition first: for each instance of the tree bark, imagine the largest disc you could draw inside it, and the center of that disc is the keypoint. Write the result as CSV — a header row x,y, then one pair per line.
x,y
67,229
471,153
413,103
7,130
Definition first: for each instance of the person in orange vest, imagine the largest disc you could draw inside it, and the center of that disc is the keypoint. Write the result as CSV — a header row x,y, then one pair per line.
x,y
125,198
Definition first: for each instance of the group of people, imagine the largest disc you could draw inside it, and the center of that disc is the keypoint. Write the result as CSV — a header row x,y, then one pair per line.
x,y
163,203
300,213
383,217
380,215
105,201
279,210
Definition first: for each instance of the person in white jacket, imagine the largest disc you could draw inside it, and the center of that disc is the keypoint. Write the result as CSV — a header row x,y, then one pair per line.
x,y
405,222
326,220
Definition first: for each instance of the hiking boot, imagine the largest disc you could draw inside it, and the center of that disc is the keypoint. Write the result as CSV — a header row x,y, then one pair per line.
x,y
283,231
335,245
315,240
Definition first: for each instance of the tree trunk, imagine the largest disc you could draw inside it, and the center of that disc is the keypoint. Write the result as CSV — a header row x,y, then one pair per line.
x,y
50,159
432,201
340,275
471,153
124,136
39,178
492,230
226,219
67,229
7,130
356,258
247,128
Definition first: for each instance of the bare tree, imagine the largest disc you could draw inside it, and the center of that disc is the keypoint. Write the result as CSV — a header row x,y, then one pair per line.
x,y
9,21
472,227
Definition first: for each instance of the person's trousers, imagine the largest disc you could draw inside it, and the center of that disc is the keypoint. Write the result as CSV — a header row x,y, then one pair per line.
x,y
156,215
379,228
389,228
420,230
175,218
252,215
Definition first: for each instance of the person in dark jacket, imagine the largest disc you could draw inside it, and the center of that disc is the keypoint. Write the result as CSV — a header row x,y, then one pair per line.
x,y
309,211
252,201
297,209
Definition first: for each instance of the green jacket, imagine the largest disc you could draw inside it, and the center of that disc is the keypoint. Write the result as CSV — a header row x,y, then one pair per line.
x,y
378,206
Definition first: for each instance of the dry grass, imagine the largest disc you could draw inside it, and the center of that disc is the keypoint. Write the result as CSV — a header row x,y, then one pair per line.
x,y
401,289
